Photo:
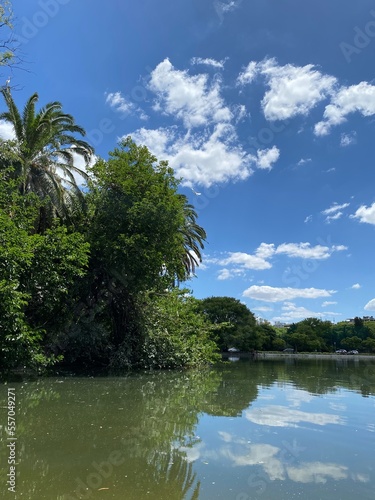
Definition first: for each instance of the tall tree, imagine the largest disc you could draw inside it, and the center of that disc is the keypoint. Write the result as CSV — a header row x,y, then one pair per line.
x,y
140,232
193,237
238,323
45,147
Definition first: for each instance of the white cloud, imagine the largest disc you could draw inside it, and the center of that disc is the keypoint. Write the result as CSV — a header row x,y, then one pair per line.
x,y
122,105
6,131
348,139
370,306
365,214
336,216
329,303
293,90
260,259
267,157
210,151
249,74
262,309
335,208
208,62
303,161
334,212
275,294
265,250
239,112
205,159
356,98
308,219
247,261
226,274
223,8
190,98
356,286
305,251
291,313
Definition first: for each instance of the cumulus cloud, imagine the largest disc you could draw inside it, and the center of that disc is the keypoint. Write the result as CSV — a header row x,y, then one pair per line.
x,y
191,98
249,74
267,157
356,98
356,286
247,261
276,294
202,158
365,214
293,90
208,151
370,306
226,274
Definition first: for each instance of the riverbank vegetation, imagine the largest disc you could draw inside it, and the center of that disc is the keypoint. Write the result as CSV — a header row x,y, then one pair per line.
x,y
87,275
242,331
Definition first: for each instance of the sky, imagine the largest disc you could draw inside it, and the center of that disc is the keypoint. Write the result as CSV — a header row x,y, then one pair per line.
x,y
264,108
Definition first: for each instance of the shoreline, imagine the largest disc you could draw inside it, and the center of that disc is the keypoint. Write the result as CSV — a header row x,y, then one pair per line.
x,y
307,355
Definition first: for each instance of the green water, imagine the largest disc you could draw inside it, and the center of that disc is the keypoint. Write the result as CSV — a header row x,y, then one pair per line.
x,y
269,429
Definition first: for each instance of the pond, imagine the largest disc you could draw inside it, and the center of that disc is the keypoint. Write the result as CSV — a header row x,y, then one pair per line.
x,y
267,429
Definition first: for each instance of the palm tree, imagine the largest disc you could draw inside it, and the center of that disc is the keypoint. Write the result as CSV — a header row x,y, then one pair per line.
x,y
45,147
193,237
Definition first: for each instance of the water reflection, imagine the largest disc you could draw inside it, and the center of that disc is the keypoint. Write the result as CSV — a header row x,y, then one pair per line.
x,y
281,416
196,435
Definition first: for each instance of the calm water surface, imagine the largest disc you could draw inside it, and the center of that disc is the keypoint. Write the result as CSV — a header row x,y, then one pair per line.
x,y
269,430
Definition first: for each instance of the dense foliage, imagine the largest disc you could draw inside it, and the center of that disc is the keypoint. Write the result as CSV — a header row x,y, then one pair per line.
x,y
87,276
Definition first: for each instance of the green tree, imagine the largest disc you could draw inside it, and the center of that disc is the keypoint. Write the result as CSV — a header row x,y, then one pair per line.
x,y
138,229
44,149
351,343
177,333
36,274
238,323
368,345
268,334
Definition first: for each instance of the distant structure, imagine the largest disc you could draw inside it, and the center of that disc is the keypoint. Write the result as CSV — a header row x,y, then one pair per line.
x,y
279,324
364,318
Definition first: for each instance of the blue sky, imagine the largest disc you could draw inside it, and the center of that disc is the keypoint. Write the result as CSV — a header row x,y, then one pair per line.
x,y
266,110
